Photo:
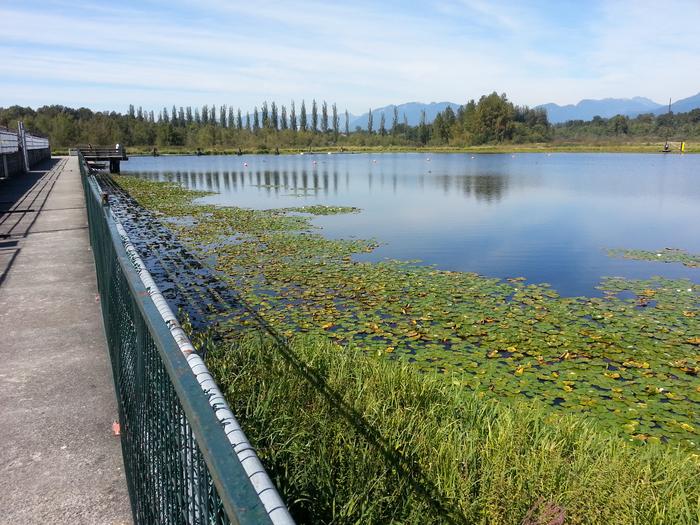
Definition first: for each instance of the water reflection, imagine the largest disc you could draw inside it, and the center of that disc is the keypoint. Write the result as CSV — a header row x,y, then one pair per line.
x,y
547,218
485,187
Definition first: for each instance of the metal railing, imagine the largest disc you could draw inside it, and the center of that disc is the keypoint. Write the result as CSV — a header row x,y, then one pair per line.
x,y
101,152
179,464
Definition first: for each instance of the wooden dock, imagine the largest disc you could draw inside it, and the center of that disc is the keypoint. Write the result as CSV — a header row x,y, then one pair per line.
x,y
100,154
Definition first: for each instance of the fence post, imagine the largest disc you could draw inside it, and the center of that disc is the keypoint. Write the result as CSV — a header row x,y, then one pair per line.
x,y
22,139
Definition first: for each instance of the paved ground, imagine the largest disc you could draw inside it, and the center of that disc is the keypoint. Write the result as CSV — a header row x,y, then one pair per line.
x,y
59,461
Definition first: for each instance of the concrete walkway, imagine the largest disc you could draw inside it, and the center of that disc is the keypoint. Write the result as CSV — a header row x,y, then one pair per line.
x,y
59,461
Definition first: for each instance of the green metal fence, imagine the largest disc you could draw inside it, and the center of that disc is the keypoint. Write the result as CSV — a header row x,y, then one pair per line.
x,y
179,465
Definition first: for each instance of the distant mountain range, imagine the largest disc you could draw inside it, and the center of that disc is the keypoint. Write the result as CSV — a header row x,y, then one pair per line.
x,y
584,110
609,107
412,110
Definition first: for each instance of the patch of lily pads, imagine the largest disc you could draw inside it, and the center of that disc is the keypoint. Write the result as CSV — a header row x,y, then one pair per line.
x,y
630,358
667,255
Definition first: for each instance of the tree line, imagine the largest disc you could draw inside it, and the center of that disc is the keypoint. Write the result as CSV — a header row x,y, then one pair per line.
x,y
493,119
671,126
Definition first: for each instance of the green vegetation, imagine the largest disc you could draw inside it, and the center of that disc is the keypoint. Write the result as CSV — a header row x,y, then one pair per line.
x,y
667,255
490,124
629,358
349,438
678,126
492,120
411,395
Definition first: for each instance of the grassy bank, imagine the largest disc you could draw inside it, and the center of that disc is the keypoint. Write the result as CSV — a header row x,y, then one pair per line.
x,y
543,147
627,359
413,395
351,438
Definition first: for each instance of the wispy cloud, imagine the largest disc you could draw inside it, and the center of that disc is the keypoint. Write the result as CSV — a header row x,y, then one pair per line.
x,y
361,55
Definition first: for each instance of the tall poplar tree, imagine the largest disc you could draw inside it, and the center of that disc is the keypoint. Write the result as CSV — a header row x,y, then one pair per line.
x,y
314,116
336,122
247,121
274,119
423,130
324,117
239,119
256,120
370,121
222,116
395,121
265,116
188,115
347,123
302,116
293,117
283,118
382,124
205,114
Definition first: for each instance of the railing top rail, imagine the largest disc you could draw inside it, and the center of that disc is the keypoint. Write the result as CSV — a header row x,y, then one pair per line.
x,y
101,151
241,502
34,142
9,143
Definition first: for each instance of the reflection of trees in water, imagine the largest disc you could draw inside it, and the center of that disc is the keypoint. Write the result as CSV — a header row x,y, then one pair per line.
x,y
272,182
484,187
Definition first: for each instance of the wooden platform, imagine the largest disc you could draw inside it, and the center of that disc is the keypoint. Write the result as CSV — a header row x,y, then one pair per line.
x,y
110,154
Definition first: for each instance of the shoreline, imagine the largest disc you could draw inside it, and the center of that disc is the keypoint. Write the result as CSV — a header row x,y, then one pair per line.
x,y
691,148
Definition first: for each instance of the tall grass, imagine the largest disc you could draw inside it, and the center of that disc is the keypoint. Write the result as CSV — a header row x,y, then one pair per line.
x,y
349,438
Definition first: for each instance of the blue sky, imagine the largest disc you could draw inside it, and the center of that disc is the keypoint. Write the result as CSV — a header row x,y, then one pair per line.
x,y
360,54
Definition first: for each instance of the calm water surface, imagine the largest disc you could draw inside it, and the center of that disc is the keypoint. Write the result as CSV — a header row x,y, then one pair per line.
x,y
547,217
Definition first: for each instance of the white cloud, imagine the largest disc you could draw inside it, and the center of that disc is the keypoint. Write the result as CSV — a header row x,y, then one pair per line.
x,y
360,55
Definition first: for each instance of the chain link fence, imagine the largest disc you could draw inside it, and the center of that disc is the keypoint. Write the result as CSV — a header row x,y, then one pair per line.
x,y
180,466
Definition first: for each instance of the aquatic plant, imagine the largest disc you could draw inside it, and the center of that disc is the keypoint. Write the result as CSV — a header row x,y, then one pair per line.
x,y
667,255
629,358
353,438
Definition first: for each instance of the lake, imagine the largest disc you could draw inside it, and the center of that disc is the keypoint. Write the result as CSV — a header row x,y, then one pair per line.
x,y
547,217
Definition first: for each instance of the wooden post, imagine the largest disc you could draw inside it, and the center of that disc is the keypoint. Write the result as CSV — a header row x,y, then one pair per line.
x,y
22,138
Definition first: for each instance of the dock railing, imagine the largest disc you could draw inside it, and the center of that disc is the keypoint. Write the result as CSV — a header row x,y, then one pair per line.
x,y
21,150
180,465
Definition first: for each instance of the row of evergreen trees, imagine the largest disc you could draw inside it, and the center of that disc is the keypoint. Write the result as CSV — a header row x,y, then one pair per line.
x,y
491,119
272,117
